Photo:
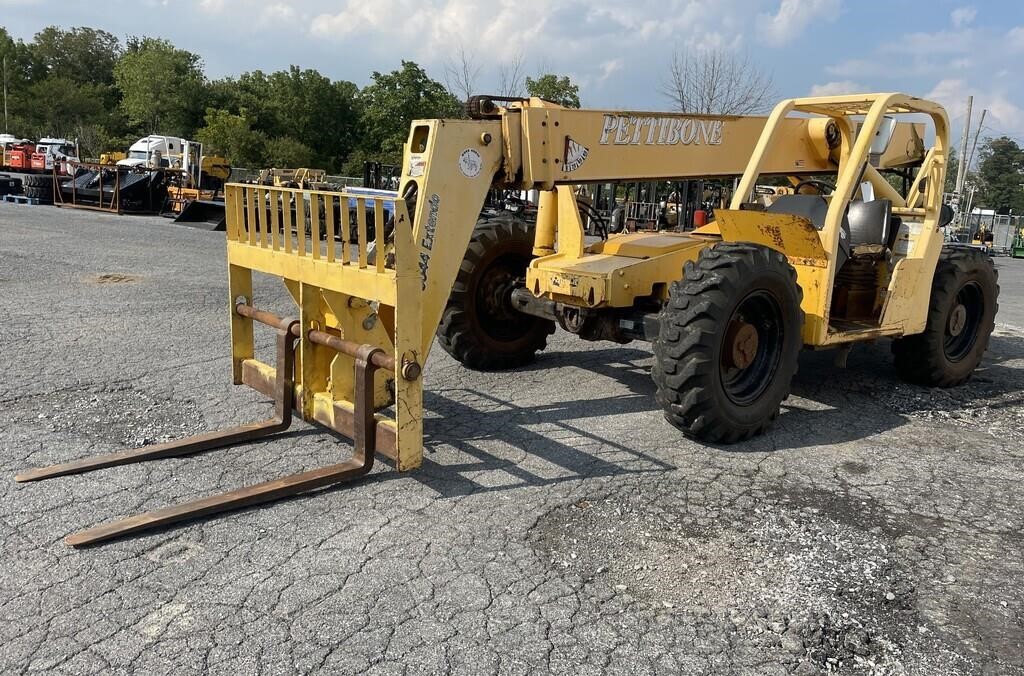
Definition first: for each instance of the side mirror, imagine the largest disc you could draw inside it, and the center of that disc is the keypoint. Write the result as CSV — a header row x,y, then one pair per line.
x,y
946,215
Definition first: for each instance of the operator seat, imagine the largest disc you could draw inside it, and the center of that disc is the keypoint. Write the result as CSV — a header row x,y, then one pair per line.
x,y
814,208
871,225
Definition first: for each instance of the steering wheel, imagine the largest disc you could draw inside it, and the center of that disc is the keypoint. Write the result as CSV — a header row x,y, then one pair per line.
x,y
816,183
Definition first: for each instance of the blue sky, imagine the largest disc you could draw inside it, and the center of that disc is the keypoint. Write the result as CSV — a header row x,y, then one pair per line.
x,y
618,51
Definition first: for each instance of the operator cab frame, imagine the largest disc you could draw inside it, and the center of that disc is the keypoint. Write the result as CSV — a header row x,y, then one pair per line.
x,y
871,235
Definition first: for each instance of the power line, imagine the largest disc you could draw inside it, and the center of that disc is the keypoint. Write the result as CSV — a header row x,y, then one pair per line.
x,y
1018,135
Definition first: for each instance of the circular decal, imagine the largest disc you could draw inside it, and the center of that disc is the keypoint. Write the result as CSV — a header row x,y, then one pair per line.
x,y
470,163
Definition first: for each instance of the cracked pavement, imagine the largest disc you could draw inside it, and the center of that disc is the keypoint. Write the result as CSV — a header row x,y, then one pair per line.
x,y
558,524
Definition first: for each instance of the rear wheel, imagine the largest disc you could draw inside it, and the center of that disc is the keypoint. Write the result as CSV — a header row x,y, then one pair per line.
x,y
728,343
480,327
961,318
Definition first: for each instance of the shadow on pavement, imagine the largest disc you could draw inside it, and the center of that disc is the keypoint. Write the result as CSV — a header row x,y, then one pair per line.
x,y
495,445
829,405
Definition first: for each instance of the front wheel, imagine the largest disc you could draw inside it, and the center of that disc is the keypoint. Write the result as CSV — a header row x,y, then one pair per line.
x,y
961,318
728,343
480,327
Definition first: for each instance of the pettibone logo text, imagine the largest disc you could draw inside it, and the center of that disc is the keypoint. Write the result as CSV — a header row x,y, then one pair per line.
x,y
632,130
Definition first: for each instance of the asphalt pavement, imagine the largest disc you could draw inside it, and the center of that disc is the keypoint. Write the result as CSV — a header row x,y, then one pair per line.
x,y
558,524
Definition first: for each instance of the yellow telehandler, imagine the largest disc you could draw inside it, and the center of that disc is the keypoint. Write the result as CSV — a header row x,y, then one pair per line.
x,y
843,257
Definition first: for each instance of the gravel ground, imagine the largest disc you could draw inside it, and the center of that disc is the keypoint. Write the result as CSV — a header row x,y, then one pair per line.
x,y
559,524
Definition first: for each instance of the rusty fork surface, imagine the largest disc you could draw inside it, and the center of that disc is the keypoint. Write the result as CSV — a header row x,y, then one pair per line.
x,y
367,358
284,393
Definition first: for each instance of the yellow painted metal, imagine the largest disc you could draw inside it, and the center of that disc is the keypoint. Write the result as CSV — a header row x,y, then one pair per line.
x,y
108,159
633,145
604,276
798,239
570,227
452,163
304,177
647,145
358,321
395,301
547,222
266,233
216,166
792,235
906,299
905,147
615,273
242,340
883,189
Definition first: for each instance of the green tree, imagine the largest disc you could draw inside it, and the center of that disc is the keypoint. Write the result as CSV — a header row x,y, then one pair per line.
x,y
1001,173
556,89
302,105
69,106
314,112
233,137
22,69
289,153
82,55
392,101
952,165
72,71
22,64
251,92
162,87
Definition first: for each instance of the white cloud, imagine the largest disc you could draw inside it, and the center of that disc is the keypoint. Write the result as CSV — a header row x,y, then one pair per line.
x,y
1003,114
1015,38
961,16
931,56
264,14
949,93
853,68
426,27
954,64
793,17
837,87
609,68
940,42
278,11
561,30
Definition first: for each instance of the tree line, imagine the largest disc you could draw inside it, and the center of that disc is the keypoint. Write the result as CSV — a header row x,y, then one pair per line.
x,y
85,83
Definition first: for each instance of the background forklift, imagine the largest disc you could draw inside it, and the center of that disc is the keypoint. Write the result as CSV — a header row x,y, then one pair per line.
x,y
651,205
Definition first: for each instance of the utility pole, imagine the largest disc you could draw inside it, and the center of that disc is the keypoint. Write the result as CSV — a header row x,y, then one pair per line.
x,y
6,130
976,135
963,148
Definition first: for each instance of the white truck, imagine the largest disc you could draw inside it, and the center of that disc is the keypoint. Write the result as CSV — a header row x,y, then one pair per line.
x,y
159,151
54,151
